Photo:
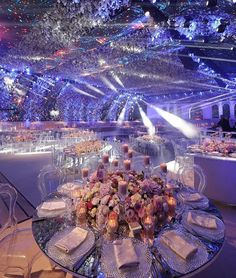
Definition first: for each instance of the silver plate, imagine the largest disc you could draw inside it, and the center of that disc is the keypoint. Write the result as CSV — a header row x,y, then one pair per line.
x,y
201,204
109,266
68,260
210,234
175,261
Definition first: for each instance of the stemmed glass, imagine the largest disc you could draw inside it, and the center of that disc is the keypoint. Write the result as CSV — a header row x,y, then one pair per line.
x,y
101,222
84,174
122,193
147,166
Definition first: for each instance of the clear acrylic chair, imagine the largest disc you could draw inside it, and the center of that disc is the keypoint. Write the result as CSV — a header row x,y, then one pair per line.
x,y
193,176
19,255
91,162
16,252
49,179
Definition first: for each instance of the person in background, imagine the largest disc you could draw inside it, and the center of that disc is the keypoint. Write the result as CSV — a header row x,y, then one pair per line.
x,y
224,124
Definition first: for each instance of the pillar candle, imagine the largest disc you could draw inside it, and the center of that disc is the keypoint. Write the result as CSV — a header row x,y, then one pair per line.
x,y
163,167
146,160
115,162
127,164
105,158
85,172
130,153
122,188
125,148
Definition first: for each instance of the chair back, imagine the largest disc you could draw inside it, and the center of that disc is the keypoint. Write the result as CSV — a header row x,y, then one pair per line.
x,y
49,179
8,197
193,176
91,162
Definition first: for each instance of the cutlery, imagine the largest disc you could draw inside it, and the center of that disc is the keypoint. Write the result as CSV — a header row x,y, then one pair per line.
x,y
81,261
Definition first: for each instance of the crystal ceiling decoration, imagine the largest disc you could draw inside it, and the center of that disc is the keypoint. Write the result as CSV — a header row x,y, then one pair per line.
x,y
94,49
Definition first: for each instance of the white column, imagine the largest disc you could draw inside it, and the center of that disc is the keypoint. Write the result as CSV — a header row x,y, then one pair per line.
x,y
231,105
220,108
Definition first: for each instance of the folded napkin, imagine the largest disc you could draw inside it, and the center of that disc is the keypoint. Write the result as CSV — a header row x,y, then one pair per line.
x,y
53,205
69,186
202,221
72,240
125,254
179,245
193,197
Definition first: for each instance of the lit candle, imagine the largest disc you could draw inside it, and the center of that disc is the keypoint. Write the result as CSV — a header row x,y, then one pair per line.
x,y
81,211
146,160
115,162
148,220
85,172
127,164
122,188
171,205
130,153
112,222
105,158
125,148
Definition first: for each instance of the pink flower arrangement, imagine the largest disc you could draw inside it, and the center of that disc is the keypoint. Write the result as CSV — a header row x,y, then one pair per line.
x,y
102,197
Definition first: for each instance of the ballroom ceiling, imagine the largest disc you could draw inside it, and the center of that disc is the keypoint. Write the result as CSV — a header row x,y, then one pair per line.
x,y
150,48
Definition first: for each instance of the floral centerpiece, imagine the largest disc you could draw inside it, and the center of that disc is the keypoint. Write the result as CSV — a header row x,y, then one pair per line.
x,y
152,138
102,196
215,146
84,147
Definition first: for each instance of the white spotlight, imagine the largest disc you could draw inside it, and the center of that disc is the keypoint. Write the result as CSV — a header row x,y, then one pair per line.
x,y
147,14
122,115
108,83
188,129
82,92
95,89
146,121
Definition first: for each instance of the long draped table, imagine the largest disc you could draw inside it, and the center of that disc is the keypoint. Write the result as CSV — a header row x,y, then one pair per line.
x,y
220,177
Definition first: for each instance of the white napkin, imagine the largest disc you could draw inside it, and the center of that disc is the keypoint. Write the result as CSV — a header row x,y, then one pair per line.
x,y
69,186
193,197
179,245
125,254
53,205
72,240
202,221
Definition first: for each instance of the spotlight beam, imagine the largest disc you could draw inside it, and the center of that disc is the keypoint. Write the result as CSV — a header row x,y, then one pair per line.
x,y
188,129
83,92
147,122
121,117
109,84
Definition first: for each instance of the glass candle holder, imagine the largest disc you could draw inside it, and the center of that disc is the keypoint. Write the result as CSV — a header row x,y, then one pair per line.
x,y
171,201
112,223
148,222
85,173
81,212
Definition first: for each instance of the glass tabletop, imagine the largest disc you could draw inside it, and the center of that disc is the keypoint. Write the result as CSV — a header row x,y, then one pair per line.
x,y
89,264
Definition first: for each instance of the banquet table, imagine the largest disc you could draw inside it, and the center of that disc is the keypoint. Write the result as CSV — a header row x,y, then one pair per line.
x,y
46,228
220,176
